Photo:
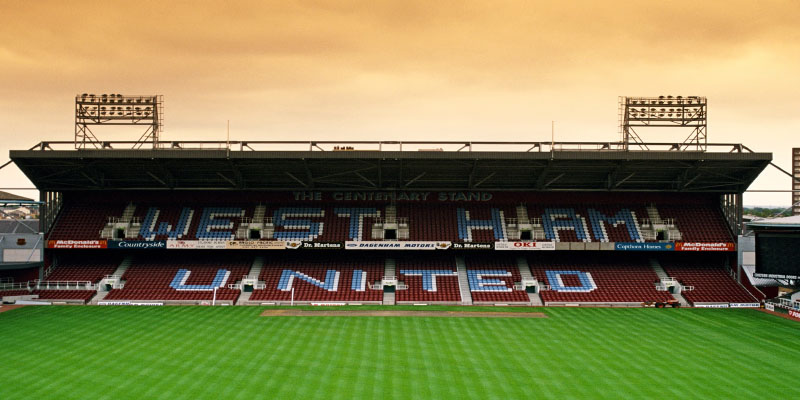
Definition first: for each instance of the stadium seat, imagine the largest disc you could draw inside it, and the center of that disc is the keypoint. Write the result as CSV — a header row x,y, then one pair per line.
x,y
617,279
707,274
494,266
348,287
564,218
446,290
150,277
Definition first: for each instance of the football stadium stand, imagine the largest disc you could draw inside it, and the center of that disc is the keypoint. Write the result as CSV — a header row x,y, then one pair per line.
x,y
82,295
320,278
16,292
182,277
18,275
596,278
710,278
531,223
432,279
84,266
581,218
494,279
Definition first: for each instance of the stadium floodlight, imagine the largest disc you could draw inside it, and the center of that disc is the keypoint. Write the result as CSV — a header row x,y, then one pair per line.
x,y
796,181
107,110
665,111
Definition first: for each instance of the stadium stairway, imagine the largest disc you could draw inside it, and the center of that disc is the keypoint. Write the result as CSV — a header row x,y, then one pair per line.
x,y
525,273
123,266
255,268
389,269
244,297
663,275
654,215
101,292
388,298
463,281
255,272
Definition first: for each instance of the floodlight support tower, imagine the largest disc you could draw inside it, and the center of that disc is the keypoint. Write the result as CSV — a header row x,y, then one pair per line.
x,y
686,112
114,110
796,181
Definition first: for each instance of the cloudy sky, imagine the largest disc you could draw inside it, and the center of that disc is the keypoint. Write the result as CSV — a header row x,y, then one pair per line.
x,y
404,70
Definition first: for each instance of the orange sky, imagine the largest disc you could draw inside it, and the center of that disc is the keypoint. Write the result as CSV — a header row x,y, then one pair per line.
x,y
404,70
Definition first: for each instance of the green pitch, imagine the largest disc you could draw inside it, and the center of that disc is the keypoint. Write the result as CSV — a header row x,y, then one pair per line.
x,y
232,352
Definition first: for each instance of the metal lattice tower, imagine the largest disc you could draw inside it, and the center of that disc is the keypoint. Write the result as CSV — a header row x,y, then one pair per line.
x,y
689,113
92,111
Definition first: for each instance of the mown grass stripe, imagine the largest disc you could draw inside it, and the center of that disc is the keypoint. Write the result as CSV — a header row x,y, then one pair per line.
x,y
204,352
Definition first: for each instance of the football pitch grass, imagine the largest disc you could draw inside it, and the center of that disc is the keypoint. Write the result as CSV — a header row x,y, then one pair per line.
x,y
232,352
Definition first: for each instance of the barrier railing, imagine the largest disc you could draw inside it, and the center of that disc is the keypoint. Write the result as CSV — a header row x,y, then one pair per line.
x,y
789,304
251,220
403,146
13,286
61,285
391,220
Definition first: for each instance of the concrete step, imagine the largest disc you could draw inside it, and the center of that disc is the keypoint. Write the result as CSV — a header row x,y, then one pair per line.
x,y
128,213
255,271
653,214
659,270
535,299
390,214
522,213
390,266
98,297
525,273
255,268
524,269
388,298
389,269
123,266
244,298
681,299
258,213
463,281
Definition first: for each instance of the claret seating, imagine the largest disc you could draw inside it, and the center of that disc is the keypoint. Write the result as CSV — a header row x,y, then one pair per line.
x,y
579,217
84,266
432,278
708,276
320,278
22,275
182,276
491,279
588,277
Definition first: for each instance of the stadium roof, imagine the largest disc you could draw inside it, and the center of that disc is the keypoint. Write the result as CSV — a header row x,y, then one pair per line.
x,y
751,269
784,222
9,196
19,226
490,166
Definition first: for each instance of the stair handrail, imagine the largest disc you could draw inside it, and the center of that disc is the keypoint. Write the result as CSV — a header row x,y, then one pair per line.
x,y
49,270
